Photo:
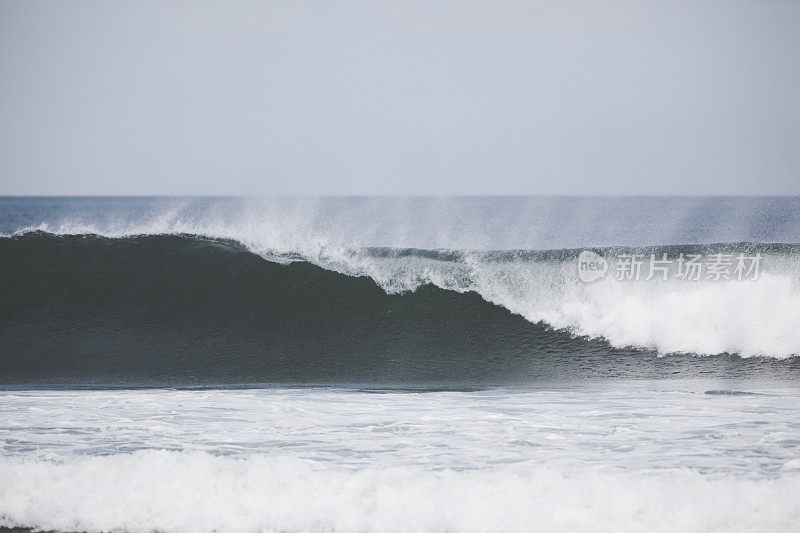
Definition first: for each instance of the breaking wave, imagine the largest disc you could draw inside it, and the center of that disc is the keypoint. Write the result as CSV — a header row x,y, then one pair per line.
x,y
178,306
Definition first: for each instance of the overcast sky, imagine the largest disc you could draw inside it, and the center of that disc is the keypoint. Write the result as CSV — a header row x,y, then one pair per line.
x,y
400,97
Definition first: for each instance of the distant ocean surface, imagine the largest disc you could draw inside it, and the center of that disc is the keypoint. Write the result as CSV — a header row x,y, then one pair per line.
x,y
396,364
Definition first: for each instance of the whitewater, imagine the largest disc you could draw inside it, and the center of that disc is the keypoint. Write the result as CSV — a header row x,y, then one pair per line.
x,y
344,460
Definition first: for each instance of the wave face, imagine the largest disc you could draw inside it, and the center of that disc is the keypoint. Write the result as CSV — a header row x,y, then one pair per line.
x,y
184,309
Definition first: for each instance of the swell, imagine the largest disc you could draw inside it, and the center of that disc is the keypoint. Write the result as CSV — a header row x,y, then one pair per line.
x,y
185,310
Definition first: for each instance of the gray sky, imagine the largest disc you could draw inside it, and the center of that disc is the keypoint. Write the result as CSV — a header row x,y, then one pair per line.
x,y
400,97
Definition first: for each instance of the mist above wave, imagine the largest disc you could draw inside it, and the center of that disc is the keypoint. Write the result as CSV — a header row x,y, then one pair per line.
x,y
456,223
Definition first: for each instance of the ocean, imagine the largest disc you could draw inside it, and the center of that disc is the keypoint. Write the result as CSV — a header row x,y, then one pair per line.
x,y
400,364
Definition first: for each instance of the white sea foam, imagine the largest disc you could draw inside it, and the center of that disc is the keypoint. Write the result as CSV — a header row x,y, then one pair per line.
x,y
750,318
563,429
194,492
333,460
